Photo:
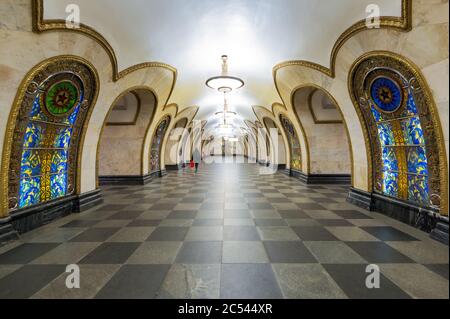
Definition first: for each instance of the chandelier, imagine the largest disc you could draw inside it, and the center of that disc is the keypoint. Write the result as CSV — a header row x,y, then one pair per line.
x,y
225,83
226,112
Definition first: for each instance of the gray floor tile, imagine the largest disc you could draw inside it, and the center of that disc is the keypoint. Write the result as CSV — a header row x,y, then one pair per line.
x,y
30,279
95,235
307,281
249,281
378,252
240,233
288,252
313,233
25,253
389,234
135,282
110,254
155,253
200,253
169,234
352,280
244,252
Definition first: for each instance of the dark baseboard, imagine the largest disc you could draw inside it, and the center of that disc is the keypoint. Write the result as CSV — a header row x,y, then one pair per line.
x,y
408,213
88,200
173,167
25,220
360,198
130,180
7,232
324,179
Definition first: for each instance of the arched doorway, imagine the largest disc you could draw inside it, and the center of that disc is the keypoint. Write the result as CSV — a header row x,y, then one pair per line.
x,y
174,149
121,143
275,145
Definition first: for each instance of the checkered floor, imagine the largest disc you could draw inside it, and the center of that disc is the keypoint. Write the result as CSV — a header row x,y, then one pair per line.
x,y
226,232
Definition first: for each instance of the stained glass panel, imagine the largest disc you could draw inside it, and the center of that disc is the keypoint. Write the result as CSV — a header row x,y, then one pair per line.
x,y
30,164
417,160
413,131
390,184
58,183
386,134
59,162
418,189
30,191
390,162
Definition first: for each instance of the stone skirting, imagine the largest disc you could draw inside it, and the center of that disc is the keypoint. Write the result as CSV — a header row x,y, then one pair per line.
x,y
130,180
408,213
27,219
317,179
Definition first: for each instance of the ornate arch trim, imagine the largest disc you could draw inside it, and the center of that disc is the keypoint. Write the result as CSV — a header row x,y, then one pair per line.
x,y
432,108
12,120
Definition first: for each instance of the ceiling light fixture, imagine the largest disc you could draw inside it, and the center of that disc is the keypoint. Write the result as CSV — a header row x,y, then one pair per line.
x,y
226,112
225,83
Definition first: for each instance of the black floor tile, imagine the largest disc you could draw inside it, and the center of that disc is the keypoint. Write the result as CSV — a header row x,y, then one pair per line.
x,y
182,215
352,280
314,233
110,254
200,253
335,223
249,281
440,269
125,215
25,253
28,280
144,223
169,234
310,206
351,214
388,234
293,214
80,224
378,252
288,252
95,235
135,282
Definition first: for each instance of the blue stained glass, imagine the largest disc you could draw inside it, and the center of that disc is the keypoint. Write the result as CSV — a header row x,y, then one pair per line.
x,y
33,135
63,138
30,191
386,94
417,160
418,189
59,162
390,162
58,184
376,115
36,109
412,108
73,117
390,184
412,129
385,134
30,164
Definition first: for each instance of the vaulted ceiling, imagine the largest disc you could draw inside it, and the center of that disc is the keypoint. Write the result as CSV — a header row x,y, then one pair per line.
x,y
191,35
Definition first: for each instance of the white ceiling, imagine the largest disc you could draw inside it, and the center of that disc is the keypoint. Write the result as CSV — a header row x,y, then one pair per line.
x,y
191,35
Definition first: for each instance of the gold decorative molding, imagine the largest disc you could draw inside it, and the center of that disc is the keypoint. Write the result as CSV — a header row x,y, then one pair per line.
x,y
403,23
12,120
41,25
313,114
437,124
344,122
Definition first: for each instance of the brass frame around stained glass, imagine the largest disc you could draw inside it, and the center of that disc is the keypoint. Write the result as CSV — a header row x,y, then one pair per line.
x,y
387,65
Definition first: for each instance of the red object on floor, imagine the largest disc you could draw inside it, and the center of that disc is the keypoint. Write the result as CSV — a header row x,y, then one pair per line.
x,y
192,164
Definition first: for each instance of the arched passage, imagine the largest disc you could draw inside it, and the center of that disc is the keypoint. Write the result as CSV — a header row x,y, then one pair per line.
x,y
174,149
276,148
326,132
121,143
